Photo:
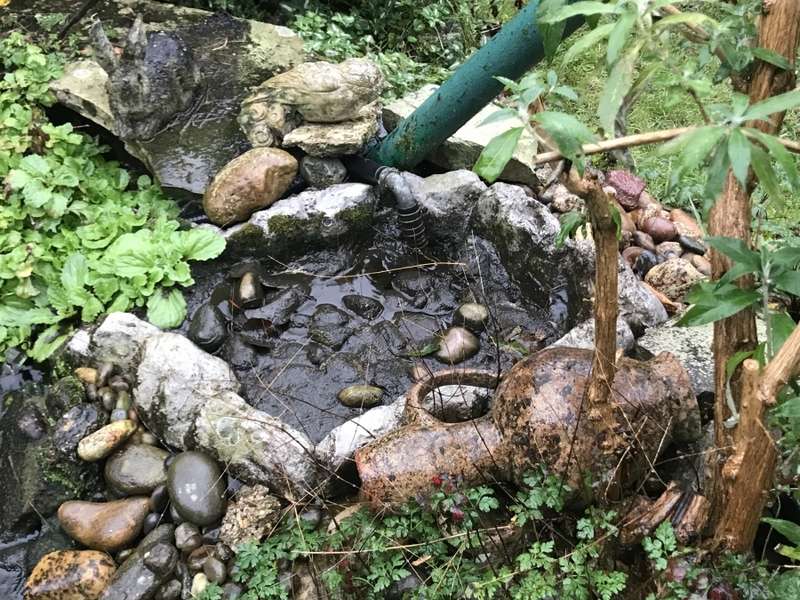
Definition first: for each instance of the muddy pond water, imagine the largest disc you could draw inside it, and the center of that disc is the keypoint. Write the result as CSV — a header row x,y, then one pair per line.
x,y
360,316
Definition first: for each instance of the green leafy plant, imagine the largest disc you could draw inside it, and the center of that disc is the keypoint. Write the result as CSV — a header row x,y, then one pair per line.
x,y
77,237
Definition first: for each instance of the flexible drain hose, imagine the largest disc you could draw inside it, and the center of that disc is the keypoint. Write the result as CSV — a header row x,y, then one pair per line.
x,y
409,215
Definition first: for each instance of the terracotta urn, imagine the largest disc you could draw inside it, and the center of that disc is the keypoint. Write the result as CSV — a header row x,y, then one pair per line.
x,y
540,419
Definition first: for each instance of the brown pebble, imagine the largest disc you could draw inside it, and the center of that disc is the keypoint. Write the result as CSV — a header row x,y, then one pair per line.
x,y
646,199
629,255
660,229
71,575
678,216
669,305
86,375
644,241
700,263
108,526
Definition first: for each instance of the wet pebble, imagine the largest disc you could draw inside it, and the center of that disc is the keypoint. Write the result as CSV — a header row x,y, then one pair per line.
x,y
137,469
365,307
118,414
669,250
151,521
187,538
199,583
169,591
105,440
211,535
249,293
471,315
104,373
159,499
215,570
322,172
224,552
118,384
644,262
238,353
196,488
77,423
692,245
198,557
108,527
232,591
702,264
208,327
629,255
690,226
279,306
73,575
360,396
456,345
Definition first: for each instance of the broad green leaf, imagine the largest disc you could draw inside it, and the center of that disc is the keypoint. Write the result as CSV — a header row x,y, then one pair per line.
x,y
567,133
17,179
734,361
529,96
729,303
499,115
684,17
780,154
74,271
570,222
36,193
787,257
787,528
737,250
200,244
788,551
578,9
66,177
131,265
739,154
166,308
789,282
762,165
424,351
91,309
773,58
48,342
618,37
782,327
765,108
789,409
588,41
497,153
34,165
550,32
120,304
617,85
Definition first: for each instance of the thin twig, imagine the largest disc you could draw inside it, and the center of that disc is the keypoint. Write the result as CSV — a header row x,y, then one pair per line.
x,y
641,139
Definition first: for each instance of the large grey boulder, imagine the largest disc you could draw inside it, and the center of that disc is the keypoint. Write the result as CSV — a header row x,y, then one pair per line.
x,y
312,219
524,232
582,336
447,201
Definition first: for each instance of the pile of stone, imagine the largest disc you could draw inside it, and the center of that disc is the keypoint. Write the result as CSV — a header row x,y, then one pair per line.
x,y
663,247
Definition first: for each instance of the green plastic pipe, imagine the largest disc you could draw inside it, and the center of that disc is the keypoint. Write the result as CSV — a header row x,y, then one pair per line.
x,y
511,53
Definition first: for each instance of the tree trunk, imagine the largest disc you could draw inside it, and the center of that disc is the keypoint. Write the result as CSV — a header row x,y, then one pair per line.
x,y
737,502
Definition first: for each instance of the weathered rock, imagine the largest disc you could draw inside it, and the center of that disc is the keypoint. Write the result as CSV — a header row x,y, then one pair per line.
x,y
250,517
674,278
73,426
456,344
326,140
645,261
70,575
169,591
250,182
106,526
360,396
456,403
462,149
187,537
196,488
322,172
669,250
148,81
248,293
690,244
104,441
308,220
628,187
582,336
279,306
63,395
136,469
563,201
670,306
447,201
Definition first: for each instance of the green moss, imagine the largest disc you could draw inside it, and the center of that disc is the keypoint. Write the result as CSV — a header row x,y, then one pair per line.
x,y
357,218
286,228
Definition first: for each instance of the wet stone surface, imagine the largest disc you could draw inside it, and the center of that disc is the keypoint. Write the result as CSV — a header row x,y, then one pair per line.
x,y
335,319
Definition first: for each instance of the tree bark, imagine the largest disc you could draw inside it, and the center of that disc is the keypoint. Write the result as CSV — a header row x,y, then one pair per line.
x,y
739,453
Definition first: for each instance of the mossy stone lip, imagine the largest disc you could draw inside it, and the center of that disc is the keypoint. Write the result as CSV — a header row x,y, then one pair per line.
x,y
196,488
